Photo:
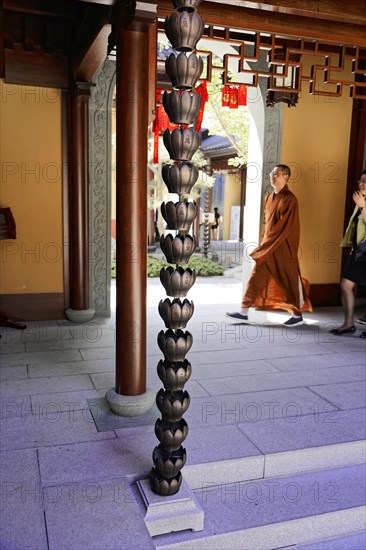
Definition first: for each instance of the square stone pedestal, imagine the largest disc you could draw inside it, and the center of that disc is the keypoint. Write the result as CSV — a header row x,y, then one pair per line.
x,y
172,513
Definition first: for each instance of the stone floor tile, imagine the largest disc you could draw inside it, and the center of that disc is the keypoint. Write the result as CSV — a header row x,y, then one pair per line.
x,y
14,405
347,343
40,357
92,340
253,407
347,395
254,353
319,361
22,518
96,515
268,381
103,381
319,428
15,372
49,427
98,353
356,541
64,401
72,367
51,385
220,370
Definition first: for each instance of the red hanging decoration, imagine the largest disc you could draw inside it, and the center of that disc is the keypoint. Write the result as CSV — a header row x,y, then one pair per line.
x,y
242,94
202,91
225,96
233,99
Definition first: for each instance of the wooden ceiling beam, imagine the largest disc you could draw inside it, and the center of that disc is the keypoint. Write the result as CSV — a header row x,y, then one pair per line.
x,y
313,28
334,10
89,48
55,8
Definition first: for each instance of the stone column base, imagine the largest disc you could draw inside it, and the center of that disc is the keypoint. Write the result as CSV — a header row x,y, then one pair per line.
x,y
130,405
172,513
79,315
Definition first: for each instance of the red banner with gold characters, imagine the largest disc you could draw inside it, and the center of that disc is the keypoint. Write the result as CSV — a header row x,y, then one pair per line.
x,y
234,96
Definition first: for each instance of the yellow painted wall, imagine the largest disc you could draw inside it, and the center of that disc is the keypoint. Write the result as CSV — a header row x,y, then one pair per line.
x,y
232,198
315,144
31,184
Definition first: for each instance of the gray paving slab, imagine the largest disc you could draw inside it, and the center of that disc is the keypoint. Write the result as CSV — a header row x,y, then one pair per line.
x,y
241,507
98,353
96,515
105,381
253,353
49,427
64,401
106,420
253,407
92,340
22,519
14,405
347,395
11,346
356,541
319,361
131,454
347,343
319,428
266,381
45,385
72,367
15,372
220,370
40,357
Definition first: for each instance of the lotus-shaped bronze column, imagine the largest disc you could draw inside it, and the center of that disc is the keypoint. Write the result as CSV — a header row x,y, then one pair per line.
x,y
174,375
171,435
184,30
169,464
179,178
179,215
175,344
181,144
181,108
178,249
176,314
165,486
184,71
172,405
186,5
177,282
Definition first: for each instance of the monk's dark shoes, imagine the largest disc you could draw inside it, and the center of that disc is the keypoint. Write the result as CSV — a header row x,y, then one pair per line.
x,y
237,315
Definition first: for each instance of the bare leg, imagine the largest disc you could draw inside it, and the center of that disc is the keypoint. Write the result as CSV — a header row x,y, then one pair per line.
x,y
348,300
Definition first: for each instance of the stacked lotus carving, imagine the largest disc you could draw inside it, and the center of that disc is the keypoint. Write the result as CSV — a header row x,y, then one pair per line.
x,y
186,5
177,282
183,28
181,144
181,108
180,178
184,71
176,314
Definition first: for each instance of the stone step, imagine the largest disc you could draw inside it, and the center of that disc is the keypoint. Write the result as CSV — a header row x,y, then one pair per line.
x,y
280,512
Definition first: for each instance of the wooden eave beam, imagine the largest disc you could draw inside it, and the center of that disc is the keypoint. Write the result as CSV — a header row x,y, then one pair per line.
x,y
333,10
55,8
278,23
89,48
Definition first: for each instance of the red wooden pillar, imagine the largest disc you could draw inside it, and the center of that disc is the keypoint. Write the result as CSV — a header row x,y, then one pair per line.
x,y
132,119
79,310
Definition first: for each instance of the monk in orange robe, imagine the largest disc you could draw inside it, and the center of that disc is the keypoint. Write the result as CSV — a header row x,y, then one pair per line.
x,y
276,282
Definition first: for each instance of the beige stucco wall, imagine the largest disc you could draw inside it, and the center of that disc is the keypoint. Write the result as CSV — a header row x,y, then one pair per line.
x,y
315,143
232,198
31,185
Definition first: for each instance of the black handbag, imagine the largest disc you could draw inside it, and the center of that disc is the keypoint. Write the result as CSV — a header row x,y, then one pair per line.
x,y
360,254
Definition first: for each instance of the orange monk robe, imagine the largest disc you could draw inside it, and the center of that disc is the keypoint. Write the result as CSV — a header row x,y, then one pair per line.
x,y
276,282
